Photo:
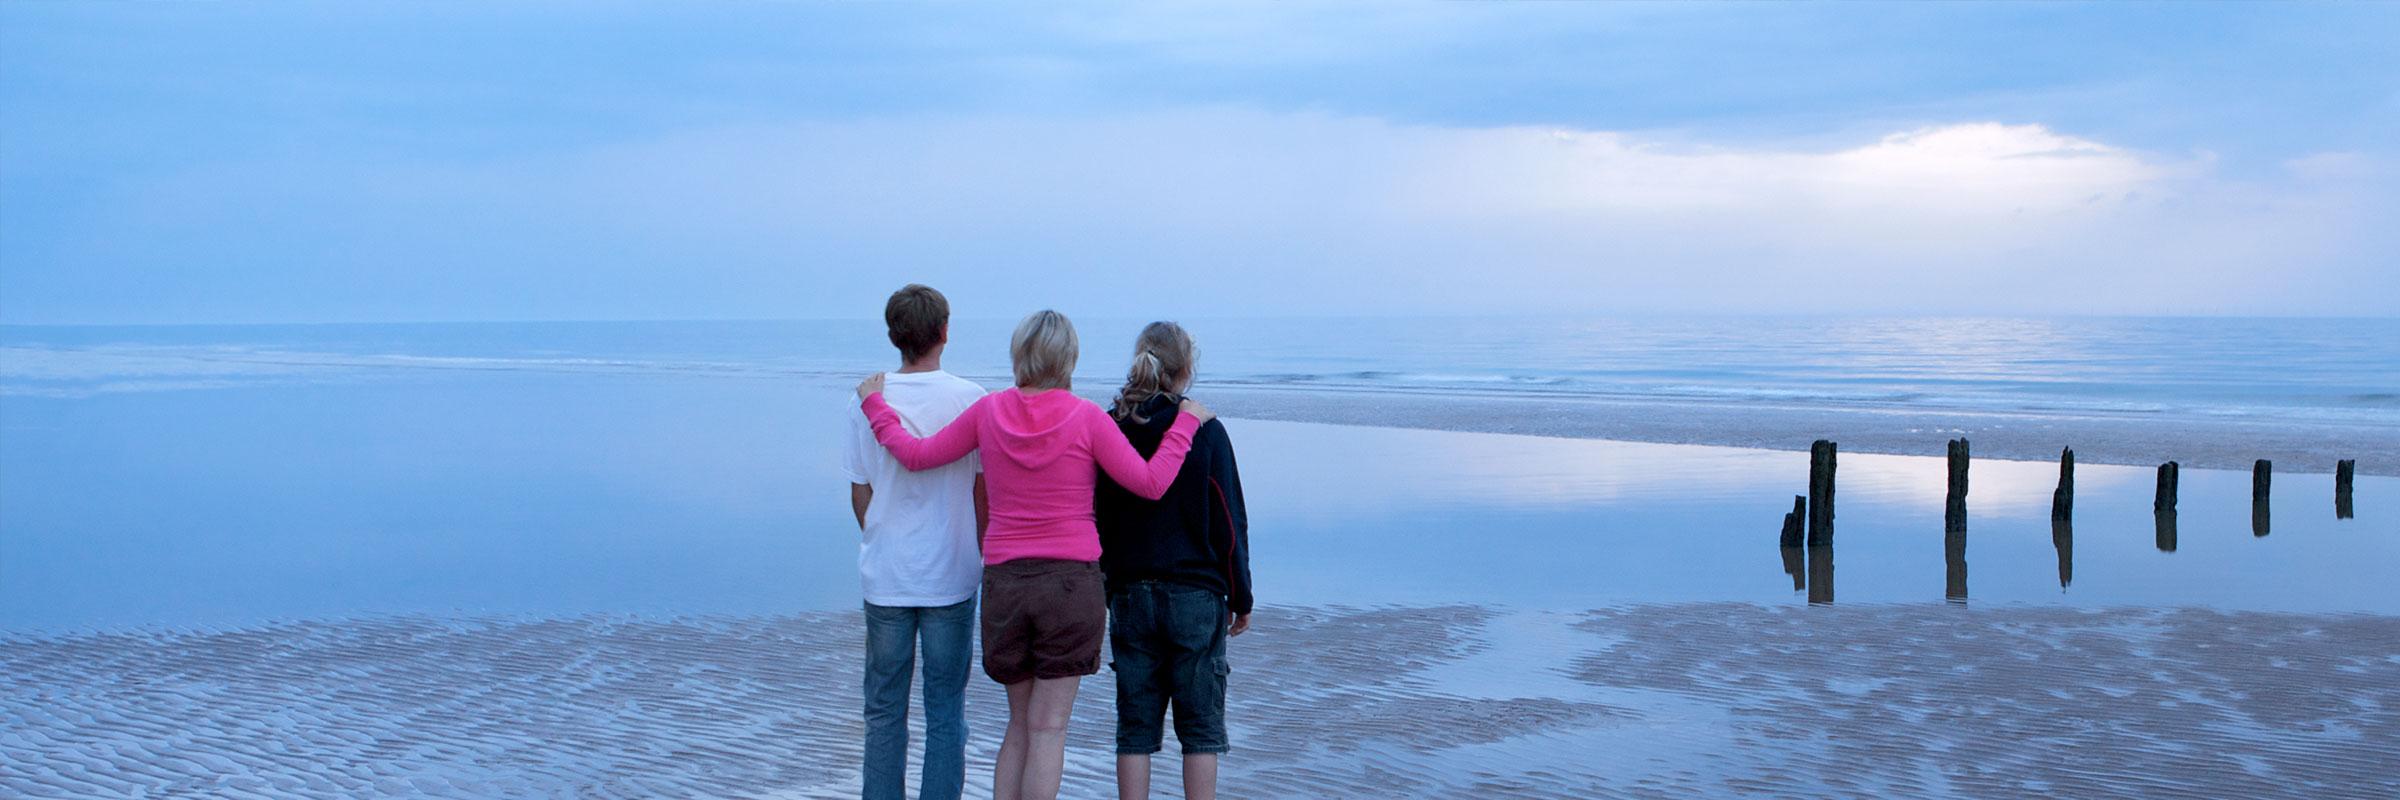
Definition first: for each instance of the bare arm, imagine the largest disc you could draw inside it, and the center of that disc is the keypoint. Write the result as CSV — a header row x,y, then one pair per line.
x,y
860,495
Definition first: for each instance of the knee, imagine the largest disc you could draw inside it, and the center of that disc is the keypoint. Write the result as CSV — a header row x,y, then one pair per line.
x,y
1047,726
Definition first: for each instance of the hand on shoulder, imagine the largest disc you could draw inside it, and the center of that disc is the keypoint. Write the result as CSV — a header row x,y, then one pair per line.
x,y
872,385
1198,411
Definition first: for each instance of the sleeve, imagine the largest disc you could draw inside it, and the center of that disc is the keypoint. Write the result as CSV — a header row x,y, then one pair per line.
x,y
974,459
1225,481
951,443
854,449
1145,479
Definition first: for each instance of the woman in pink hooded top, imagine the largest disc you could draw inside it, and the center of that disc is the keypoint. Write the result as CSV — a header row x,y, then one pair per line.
x,y
1045,605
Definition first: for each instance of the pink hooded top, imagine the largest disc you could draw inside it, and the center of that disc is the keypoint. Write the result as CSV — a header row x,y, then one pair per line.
x,y
1038,452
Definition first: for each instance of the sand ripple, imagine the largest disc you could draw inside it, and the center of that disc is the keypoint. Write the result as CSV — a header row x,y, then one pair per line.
x,y
1452,701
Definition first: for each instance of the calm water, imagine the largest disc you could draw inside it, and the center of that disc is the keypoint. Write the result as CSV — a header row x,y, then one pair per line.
x,y
2284,371
232,475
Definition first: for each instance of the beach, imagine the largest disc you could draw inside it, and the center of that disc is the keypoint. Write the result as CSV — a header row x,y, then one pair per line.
x,y
251,571
1675,700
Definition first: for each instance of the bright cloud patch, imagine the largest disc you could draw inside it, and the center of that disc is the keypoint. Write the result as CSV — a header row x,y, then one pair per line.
x,y
1340,214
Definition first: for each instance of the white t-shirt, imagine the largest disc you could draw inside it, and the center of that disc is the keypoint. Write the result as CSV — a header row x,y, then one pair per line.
x,y
919,544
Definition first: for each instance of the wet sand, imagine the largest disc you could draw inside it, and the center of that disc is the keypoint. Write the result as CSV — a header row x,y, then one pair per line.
x,y
1677,700
2132,439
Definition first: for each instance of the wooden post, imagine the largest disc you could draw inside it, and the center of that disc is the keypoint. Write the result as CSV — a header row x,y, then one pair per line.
x,y
2343,471
1954,526
1954,509
2163,508
2262,473
1820,493
2062,499
1795,523
2168,475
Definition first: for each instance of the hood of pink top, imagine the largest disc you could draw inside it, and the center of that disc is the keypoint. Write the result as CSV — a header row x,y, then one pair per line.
x,y
1031,426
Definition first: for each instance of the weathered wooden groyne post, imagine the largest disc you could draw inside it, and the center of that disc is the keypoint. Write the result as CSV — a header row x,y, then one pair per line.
x,y
1954,526
2062,499
1954,509
1820,493
2163,508
2343,471
1795,523
2262,474
2168,476
2062,517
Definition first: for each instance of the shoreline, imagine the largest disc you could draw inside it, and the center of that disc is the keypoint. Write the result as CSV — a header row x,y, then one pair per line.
x,y
2228,444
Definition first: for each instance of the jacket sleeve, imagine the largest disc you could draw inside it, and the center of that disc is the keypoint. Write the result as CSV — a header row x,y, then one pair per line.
x,y
1225,481
951,443
1145,479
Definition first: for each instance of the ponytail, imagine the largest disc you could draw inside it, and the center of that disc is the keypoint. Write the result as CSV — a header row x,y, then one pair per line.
x,y
1162,359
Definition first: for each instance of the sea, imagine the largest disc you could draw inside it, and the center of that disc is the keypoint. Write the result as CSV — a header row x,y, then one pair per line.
x,y
226,474
1494,557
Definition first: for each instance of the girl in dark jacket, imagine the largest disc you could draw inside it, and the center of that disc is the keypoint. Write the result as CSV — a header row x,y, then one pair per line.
x,y
1178,572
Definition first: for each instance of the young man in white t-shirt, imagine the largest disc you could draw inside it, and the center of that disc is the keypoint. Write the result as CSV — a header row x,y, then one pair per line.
x,y
920,559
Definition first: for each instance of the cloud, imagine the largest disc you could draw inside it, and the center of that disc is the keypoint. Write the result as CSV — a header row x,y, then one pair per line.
x,y
1338,214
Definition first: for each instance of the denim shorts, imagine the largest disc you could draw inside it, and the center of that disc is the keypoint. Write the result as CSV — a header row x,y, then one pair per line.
x,y
1042,618
1168,642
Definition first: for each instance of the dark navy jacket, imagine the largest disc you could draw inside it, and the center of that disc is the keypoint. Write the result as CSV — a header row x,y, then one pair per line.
x,y
1198,534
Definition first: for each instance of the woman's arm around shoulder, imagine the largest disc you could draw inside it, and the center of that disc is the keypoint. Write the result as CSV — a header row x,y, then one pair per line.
x,y
951,443
1145,479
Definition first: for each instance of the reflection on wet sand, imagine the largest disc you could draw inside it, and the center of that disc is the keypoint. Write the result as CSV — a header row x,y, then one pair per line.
x,y
2062,537
1954,561
1795,564
1616,703
1820,575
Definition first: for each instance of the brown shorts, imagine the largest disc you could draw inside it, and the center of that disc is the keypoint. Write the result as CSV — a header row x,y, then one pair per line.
x,y
1042,618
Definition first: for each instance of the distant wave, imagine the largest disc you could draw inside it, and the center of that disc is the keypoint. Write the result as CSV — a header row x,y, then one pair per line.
x,y
2251,370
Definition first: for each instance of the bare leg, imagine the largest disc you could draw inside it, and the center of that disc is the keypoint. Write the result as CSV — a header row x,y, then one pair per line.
x,y
1046,735
1199,776
1133,777
1009,771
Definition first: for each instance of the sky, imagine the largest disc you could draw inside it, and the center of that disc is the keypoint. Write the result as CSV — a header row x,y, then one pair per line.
x,y
241,162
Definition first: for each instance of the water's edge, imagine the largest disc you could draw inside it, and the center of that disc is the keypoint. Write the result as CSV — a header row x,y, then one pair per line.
x,y
2126,441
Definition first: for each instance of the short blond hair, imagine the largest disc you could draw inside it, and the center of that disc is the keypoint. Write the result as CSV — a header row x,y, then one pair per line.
x,y
1043,351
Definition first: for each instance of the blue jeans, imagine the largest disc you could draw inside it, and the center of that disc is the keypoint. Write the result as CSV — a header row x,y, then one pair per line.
x,y
1168,642
893,633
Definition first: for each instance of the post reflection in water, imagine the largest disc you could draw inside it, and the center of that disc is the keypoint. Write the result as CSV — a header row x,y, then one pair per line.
x,y
1954,557
2062,537
1820,575
2166,530
1794,564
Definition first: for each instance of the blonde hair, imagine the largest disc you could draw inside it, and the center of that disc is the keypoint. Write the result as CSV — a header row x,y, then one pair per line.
x,y
1043,351
1162,361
